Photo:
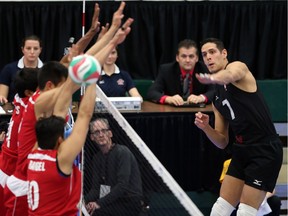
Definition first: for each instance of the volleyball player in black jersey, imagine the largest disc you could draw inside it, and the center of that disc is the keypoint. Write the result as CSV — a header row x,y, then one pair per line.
x,y
257,153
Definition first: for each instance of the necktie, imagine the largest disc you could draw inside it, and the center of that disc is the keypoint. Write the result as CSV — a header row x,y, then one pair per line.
x,y
186,91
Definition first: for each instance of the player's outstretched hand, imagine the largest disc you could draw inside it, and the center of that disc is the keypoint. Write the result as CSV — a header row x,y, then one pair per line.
x,y
73,51
103,31
204,78
95,25
122,32
118,16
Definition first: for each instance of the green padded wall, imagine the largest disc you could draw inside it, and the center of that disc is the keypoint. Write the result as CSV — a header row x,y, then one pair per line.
x,y
275,93
143,85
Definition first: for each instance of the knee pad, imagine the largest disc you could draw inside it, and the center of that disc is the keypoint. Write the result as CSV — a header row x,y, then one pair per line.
x,y
246,210
221,208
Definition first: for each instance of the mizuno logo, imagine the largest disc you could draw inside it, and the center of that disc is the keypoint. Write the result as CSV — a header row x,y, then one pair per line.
x,y
257,182
216,97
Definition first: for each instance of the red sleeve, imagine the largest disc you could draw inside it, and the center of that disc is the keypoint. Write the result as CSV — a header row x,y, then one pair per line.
x,y
162,99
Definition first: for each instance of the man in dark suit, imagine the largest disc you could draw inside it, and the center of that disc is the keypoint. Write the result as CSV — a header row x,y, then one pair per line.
x,y
169,86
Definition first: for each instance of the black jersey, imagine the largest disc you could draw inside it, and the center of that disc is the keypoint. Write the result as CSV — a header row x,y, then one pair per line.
x,y
247,113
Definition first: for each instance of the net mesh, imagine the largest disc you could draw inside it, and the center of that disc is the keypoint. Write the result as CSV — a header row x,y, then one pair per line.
x,y
161,194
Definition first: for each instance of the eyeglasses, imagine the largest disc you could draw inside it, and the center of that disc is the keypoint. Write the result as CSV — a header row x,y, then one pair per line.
x,y
97,132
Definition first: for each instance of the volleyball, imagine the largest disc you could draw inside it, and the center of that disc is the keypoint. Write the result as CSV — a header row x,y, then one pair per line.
x,y
84,69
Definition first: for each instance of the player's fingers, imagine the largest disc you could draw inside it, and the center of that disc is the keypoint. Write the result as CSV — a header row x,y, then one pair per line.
x,y
127,30
127,23
121,7
198,115
96,12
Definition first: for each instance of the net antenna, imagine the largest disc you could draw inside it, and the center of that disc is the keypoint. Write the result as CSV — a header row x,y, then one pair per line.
x,y
177,191
82,90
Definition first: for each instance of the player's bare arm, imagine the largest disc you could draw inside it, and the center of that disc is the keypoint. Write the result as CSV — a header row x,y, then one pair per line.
x,y
118,38
70,148
45,102
94,28
236,73
103,31
218,136
64,99
116,23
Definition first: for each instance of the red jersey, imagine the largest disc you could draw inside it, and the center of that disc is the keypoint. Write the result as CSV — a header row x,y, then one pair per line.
x,y
9,153
55,193
26,137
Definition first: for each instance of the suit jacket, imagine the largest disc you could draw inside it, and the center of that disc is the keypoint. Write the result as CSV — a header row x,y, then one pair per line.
x,y
168,82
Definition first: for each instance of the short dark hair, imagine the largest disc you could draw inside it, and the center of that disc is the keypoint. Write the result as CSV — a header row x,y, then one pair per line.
x,y
51,71
48,130
219,44
104,120
26,79
187,43
31,37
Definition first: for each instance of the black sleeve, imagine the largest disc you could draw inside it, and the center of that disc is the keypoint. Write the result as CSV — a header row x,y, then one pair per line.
x,y
210,93
209,89
93,193
156,90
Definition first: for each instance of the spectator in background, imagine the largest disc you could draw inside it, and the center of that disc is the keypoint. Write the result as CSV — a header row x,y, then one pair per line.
x,y
169,84
115,82
31,48
116,183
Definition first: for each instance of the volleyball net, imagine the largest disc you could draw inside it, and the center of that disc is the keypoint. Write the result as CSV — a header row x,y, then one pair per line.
x,y
161,194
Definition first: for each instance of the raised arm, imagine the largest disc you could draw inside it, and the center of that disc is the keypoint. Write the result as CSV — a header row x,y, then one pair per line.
x,y
71,147
65,98
84,41
118,38
116,23
45,103
104,30
234,72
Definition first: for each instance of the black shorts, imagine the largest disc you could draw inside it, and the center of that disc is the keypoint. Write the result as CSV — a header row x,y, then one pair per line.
x,y
257,164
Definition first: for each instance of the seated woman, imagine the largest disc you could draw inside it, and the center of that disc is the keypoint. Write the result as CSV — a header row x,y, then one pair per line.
x,y
115,82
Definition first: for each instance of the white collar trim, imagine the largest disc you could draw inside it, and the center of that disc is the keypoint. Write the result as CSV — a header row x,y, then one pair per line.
x,y
21,63
116,71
